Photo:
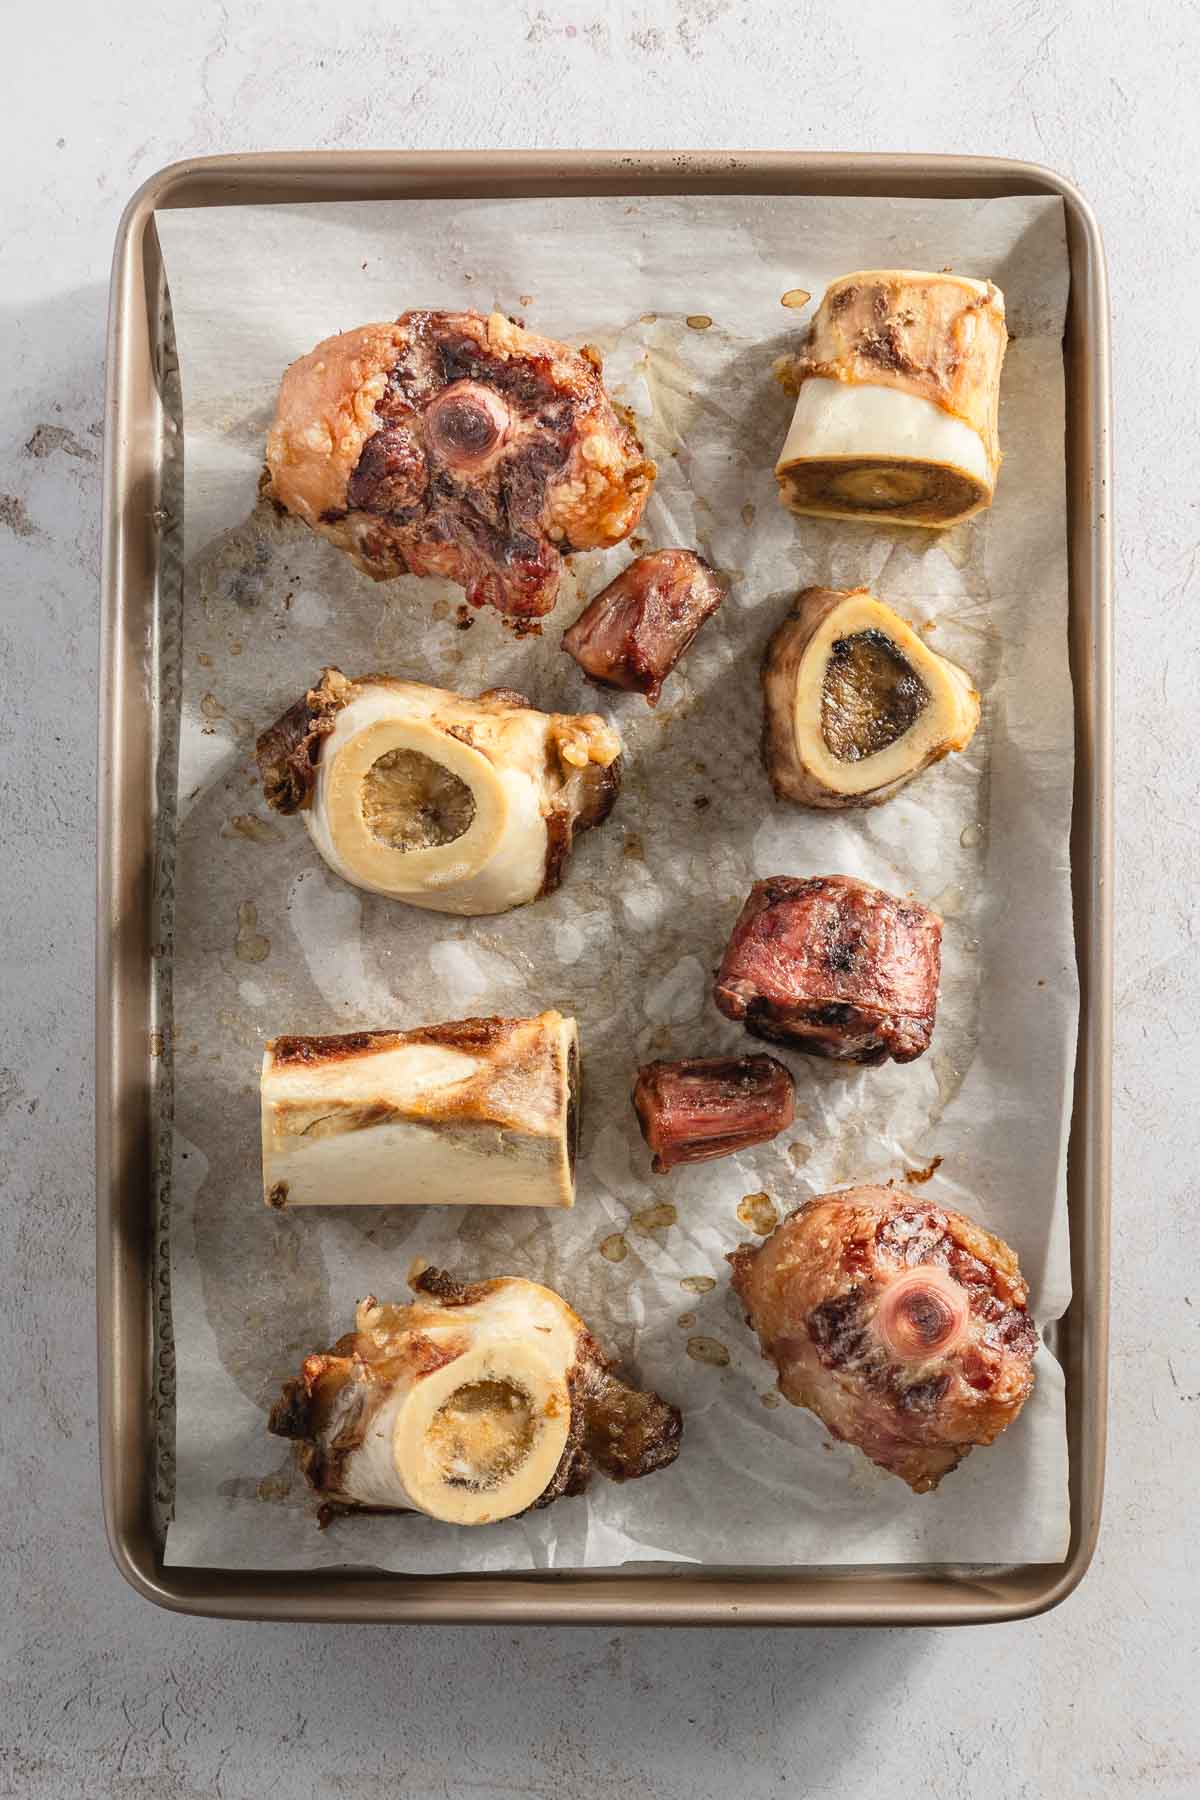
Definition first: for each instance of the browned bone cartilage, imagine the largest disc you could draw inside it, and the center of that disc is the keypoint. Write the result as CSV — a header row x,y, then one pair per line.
x,y
637,628
470,1404
835,967
458,445
856,704
897,391
902,1325
462,806
704,1107
475,1112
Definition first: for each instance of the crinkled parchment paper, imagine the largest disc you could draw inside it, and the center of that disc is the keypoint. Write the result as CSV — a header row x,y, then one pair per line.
x,y
268,940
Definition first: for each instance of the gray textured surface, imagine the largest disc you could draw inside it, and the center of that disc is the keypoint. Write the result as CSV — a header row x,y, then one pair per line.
x,y
98,1693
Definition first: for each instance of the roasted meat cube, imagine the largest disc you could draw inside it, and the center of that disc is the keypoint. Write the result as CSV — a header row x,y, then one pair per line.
x,y
902,1325
457,445
709,1106
637,628
473,1402
835,967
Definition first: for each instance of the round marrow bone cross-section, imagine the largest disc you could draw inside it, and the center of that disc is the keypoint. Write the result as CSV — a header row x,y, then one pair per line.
x,y
471,1404
856,704
462,806
475,1112
897,399
458,445
902,1325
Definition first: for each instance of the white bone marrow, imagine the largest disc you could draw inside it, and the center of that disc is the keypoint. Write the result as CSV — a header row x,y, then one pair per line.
x,y
470,1404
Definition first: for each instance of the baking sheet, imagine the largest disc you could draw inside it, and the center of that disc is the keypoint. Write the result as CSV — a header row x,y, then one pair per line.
x,y
268,940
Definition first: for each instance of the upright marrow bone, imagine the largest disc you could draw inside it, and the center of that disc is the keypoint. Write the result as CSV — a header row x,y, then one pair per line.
x,y
897,397
470,1404
462,806
479,1112
855,703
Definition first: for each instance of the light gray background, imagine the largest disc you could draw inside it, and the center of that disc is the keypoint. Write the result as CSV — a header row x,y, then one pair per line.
x,y
101,1695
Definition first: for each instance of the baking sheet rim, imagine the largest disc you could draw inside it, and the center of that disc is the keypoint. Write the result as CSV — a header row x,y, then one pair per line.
x,y
126,915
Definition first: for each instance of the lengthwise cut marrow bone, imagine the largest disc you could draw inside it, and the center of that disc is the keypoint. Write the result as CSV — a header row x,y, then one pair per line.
x,y
897,395
478,1112
856,704
471,1404
463,806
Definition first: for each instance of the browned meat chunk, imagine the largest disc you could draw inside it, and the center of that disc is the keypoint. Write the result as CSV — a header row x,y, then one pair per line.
x,y
457,445
637,628
835,967
704,1107
902,1325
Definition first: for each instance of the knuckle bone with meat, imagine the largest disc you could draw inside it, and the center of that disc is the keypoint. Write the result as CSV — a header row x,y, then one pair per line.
x,y
902,1325
470,1404
459,805
459,445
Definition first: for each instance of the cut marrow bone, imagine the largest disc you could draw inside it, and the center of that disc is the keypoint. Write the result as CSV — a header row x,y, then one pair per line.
x,y
469,1404
897,395
478,1112
856,704
464,806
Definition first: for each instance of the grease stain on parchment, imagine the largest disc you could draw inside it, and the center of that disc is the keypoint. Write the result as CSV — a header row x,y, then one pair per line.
x,y
250,945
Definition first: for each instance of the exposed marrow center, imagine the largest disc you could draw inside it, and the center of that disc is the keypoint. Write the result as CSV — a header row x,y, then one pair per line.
x,y
410,802
466,423
856,701
877,484
924,1313
871,696
482,1434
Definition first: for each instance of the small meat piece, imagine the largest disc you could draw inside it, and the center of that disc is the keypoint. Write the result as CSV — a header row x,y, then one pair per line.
x,y
836,967
637,628
710,1106
902,1325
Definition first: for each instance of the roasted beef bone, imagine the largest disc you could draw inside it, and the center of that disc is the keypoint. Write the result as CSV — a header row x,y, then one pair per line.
x,y
903,1325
